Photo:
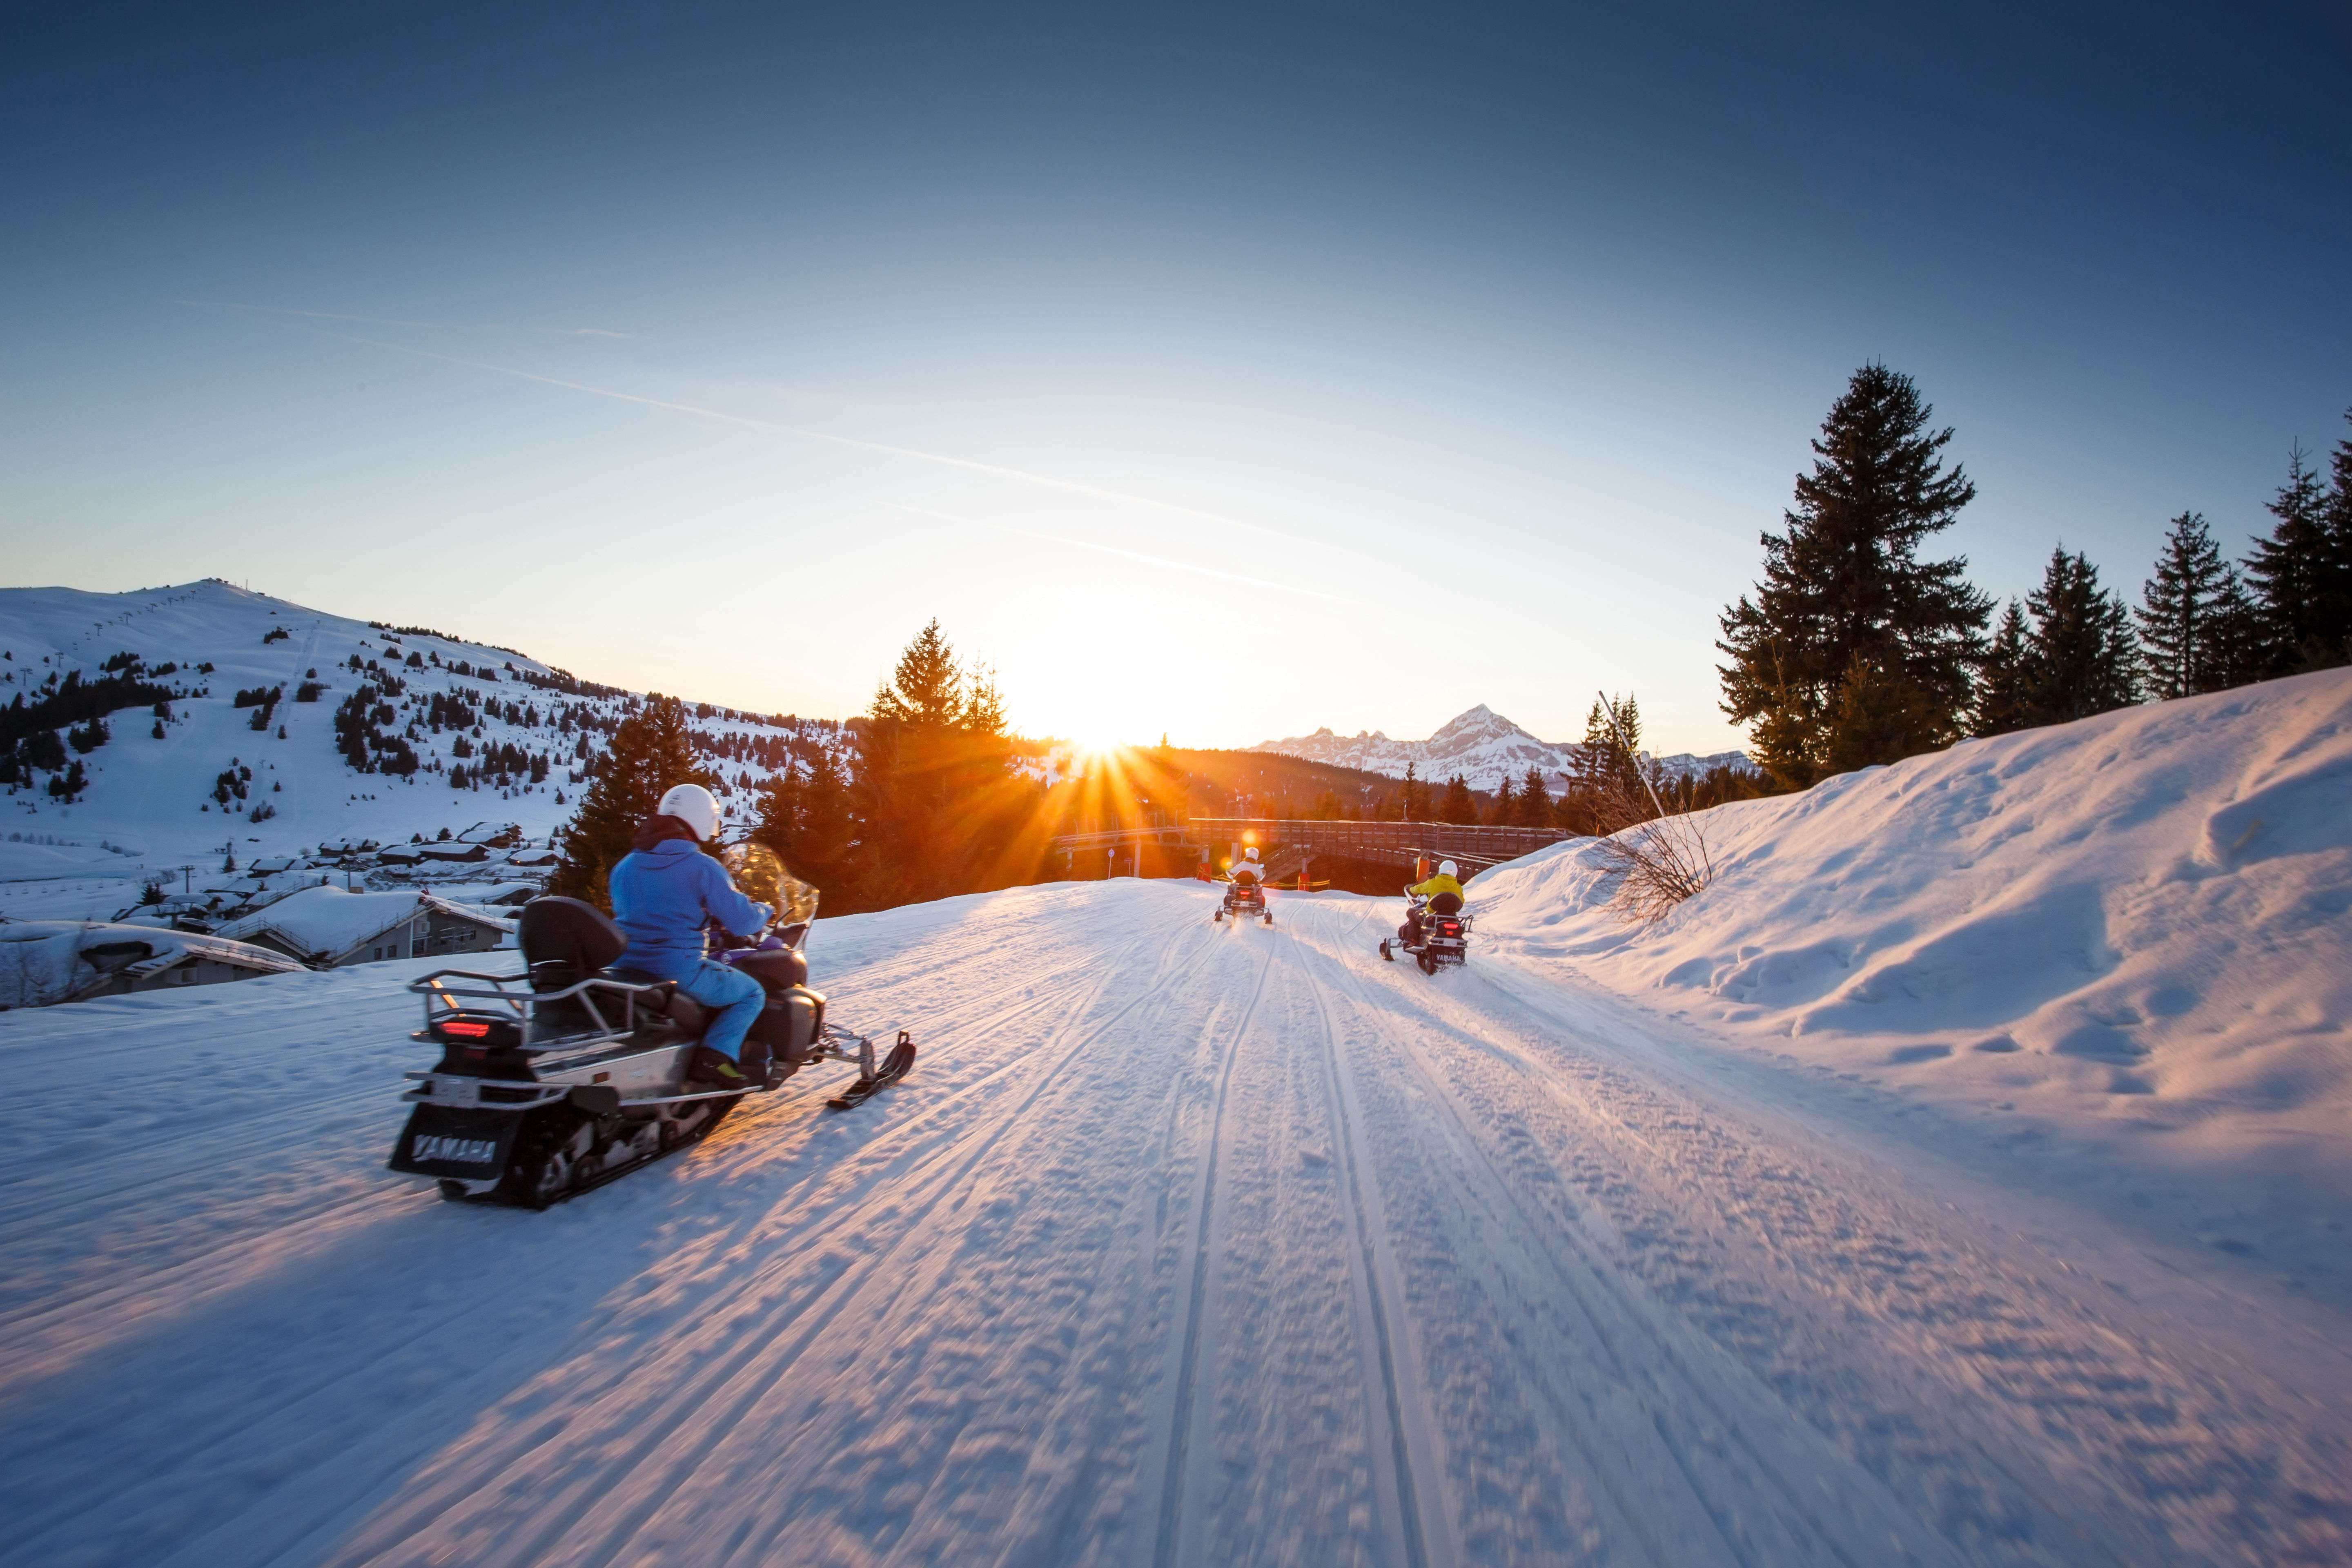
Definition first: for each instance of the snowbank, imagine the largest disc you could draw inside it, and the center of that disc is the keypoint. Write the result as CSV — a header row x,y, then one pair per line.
x,y
2151,903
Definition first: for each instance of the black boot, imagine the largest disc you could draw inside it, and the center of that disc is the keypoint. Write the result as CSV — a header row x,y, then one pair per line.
x,y
710,1068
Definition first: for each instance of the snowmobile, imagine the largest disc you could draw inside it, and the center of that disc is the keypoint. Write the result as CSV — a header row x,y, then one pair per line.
x,y
1444,933
580,1068
1243,900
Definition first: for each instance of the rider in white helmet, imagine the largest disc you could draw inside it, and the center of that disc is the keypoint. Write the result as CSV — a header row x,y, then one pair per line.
x,y
1247,870
663,891
1445,881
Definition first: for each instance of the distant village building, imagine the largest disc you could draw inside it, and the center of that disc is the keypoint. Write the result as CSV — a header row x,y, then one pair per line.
x,y
454,851
326,927
44,963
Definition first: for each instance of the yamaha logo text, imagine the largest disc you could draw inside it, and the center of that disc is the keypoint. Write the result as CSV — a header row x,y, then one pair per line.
x,y
456,1150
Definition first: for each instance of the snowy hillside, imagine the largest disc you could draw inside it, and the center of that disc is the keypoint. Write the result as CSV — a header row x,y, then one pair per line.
x,y
1481,745
493,736
2138,924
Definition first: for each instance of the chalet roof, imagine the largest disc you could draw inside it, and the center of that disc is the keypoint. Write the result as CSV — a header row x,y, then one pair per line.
x,y
328,920
46,961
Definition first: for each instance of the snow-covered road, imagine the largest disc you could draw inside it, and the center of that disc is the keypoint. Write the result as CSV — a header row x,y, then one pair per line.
x,y
1186,1244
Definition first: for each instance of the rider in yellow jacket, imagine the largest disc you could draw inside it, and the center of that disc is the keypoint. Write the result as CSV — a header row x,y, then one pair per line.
x,y
1444,882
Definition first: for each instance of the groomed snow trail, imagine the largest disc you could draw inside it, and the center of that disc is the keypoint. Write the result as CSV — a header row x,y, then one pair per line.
x,y
1186,1244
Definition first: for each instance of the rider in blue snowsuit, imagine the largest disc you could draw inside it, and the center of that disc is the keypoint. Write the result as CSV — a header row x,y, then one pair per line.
x,y
663,891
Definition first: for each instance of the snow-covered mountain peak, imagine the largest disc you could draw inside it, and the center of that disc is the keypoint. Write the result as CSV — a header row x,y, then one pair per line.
x,y
1482,745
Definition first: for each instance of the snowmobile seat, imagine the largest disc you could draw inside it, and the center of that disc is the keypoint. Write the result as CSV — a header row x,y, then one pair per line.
x,y
671,1002
565,940
1446,904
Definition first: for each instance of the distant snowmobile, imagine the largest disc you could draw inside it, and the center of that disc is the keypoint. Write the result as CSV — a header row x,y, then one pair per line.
x,y
1444,932
1245,892
579,1070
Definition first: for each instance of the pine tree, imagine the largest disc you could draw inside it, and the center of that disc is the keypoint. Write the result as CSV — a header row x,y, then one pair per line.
x,y
652,752
2293,578
2001,705
939,810
1457,806
1534,805
2176,611
1506,806
807,821
1845,599
2082,657
2336,597
1414,801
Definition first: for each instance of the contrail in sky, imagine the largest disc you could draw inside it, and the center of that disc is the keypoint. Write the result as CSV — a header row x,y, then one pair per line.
x,y
996,470
1115,549
389,322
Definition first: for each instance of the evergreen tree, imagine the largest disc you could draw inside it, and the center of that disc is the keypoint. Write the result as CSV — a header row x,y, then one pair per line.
x,y
2296,578
938,809
2177,612
1457,805
1534,804
806,820
2002,703
1604,791
650,753
1845,601
1506,807
1414,799
2082,658
2336,599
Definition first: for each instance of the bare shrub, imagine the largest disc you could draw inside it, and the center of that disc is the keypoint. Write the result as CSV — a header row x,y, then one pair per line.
x,y
1657,860
1656,864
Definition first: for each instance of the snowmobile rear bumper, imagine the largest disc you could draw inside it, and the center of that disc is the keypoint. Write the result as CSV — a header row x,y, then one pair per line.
x,y
456,1143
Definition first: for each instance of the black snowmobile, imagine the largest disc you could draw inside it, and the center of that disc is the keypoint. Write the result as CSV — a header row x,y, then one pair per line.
x,y
1444,933
562,1078
1244,901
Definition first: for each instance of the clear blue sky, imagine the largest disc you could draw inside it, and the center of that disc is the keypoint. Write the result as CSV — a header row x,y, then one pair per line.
x,y
1218,371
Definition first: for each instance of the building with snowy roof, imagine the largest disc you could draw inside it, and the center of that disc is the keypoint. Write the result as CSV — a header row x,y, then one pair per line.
x,y
326,927
44,963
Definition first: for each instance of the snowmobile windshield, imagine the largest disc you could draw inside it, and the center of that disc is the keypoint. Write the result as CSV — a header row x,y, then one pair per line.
x,y
763,878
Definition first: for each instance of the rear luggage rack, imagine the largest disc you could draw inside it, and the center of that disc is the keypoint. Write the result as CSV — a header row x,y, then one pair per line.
x,y
517,1012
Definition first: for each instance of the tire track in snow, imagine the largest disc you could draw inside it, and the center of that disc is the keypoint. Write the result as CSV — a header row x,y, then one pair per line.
x,y
730,1384
1688,1388
428,1421
1165,1538
1408,1488
1975,1333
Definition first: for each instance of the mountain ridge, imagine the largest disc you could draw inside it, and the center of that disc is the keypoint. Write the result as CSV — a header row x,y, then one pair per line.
x,y
1479,743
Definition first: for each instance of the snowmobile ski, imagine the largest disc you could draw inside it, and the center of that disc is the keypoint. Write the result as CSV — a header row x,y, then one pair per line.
x,y
893,1067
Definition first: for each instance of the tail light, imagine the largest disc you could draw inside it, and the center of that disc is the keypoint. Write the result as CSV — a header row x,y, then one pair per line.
x,y
1451,927
477,1032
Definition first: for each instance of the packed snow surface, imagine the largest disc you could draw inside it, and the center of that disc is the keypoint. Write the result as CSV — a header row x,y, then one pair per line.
x,y
1184,1244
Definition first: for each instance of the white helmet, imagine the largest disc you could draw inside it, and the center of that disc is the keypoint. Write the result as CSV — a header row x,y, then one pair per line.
x,y
694,805
1448,869
1250,853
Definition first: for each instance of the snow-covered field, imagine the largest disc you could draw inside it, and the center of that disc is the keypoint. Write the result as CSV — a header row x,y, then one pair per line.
x,y
1185,1244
